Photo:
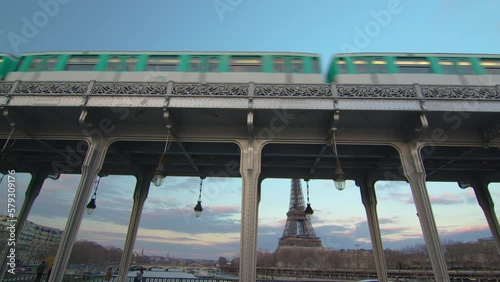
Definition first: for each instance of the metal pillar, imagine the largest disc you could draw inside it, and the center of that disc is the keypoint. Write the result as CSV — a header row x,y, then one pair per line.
x,y
369,199
34,187
250,170
140,194
415,174
484,199
90,167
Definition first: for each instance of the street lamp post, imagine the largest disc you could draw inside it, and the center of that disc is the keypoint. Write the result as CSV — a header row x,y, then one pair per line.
x,y
357,255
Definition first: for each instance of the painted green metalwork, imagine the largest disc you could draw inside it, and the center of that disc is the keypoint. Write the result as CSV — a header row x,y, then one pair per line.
x,y
310,64
373,63
7,64
345,64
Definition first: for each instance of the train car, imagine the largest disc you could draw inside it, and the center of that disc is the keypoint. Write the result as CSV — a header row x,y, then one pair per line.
x,y
400,68
7,64
222,67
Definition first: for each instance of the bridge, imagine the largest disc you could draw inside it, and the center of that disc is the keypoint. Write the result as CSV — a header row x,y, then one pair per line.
x,y
169,267
416,133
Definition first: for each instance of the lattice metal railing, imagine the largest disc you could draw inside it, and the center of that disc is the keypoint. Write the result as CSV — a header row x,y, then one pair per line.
x,y
347,91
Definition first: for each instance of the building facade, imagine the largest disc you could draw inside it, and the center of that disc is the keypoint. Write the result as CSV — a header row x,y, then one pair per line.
x,y
35,243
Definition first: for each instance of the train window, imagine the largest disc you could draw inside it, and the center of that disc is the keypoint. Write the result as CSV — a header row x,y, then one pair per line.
x,y
360,66
246,64
195,64
491,66
413,65
130,63
464,66
447,66
121,64
36,64
342,66
297,65
213,64
315,65
379,65
279,65
113,64
81,63
50,64
163,63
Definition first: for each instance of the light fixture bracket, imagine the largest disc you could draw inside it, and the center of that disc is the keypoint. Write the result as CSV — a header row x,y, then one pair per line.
x,y
198,208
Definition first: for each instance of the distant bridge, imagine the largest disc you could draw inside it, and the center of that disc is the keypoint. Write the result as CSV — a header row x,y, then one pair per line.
x,y
169,267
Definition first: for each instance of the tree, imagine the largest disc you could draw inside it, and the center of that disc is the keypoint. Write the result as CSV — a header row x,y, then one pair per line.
x,y
87,251
222,261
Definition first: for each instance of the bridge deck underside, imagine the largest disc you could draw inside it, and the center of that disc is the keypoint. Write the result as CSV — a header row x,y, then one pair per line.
x,y
299,147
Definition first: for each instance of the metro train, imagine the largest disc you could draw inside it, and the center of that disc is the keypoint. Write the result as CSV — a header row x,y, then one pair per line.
x,y
258,67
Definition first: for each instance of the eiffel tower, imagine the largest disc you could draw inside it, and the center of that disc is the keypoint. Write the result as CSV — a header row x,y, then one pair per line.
x,y
298,229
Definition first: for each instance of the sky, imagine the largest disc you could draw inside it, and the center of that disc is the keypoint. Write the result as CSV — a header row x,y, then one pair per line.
x,y
168,226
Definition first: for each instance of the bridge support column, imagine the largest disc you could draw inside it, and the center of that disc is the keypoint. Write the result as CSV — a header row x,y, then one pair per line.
x,y
484,199
34,187
369,198
140,194
250,170
415,174
90,167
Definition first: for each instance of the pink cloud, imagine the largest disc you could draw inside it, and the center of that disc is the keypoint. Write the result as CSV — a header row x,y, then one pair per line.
x,y
226,209
462,230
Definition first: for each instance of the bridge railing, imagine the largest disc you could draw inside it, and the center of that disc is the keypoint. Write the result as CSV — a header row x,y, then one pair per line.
x,y
455,276
333,90
100,278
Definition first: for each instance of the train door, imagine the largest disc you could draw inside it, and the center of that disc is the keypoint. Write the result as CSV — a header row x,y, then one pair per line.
x,y
288,66
203,64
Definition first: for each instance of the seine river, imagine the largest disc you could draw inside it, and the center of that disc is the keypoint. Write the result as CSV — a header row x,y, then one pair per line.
x,y
163,274
173,274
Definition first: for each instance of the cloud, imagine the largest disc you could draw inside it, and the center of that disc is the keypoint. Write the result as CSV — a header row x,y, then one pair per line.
x,y
392,230
386,220
168,225
463,231
390,185
182,219
403,197
267,229
226,209
446,199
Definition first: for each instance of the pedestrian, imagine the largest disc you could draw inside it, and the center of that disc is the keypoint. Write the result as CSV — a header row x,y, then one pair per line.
x,y
109,273
48,273
39,271
138,277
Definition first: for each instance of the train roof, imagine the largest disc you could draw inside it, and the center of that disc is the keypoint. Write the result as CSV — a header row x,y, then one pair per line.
x,y
173,53
12,57
401,54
